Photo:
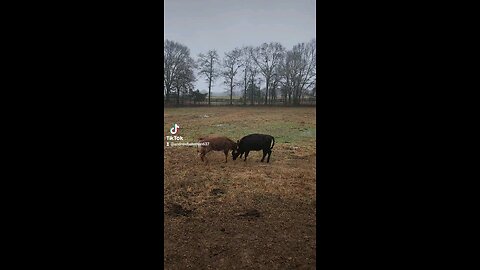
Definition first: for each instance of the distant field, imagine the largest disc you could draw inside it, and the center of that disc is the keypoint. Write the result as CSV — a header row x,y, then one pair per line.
x,y
241,215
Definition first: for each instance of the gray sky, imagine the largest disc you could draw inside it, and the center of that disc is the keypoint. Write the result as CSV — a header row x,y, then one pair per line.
x,y
223,25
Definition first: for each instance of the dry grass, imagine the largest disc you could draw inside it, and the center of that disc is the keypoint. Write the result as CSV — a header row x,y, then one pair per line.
x,y
241,215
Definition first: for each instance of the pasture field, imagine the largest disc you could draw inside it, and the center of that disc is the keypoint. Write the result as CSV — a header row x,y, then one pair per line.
x,y
241,215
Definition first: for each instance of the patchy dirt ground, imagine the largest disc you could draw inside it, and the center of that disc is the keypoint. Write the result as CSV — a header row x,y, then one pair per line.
x,y
241,215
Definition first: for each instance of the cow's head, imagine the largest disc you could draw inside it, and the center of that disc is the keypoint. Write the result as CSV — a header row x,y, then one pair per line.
x,y
235,152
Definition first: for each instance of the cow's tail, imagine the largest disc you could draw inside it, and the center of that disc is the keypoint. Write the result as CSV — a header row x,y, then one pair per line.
x,y
273,142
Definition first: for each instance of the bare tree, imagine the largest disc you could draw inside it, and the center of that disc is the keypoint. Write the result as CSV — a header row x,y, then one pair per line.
x,y
298,71
306,68
247,64
208,68
252,83
231,64
177,63
267,57
184,82
287,70
276,82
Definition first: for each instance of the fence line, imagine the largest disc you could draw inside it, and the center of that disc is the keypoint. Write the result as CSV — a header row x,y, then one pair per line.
x,y
238,102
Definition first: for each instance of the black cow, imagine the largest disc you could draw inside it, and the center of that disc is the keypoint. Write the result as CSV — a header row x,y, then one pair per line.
x,y
254,142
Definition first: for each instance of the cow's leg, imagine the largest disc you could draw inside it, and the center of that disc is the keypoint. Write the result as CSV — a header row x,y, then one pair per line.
x,y
246,154
269,153
206,160
201,152
264,154
241,155
226,155
203,155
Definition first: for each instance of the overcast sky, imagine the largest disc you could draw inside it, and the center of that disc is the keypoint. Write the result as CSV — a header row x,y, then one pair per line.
x,y
223,25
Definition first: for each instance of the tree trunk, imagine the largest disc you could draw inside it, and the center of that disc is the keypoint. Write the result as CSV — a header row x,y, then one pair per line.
x,y
210,79
266,91
168,94
178,96
231,91
294,97
271,96
273,93
209,88
299,96
253,92
245,93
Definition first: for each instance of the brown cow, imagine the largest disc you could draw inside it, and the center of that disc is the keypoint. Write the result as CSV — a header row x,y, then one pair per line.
x,y
216,143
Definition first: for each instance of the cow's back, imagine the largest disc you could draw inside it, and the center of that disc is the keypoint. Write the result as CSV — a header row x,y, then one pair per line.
x,y
255,142
217,143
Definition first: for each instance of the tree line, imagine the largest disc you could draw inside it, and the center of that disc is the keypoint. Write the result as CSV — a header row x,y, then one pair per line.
x,y
289,74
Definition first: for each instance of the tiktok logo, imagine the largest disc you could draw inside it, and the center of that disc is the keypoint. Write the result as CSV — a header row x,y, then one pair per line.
x,y
174,129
